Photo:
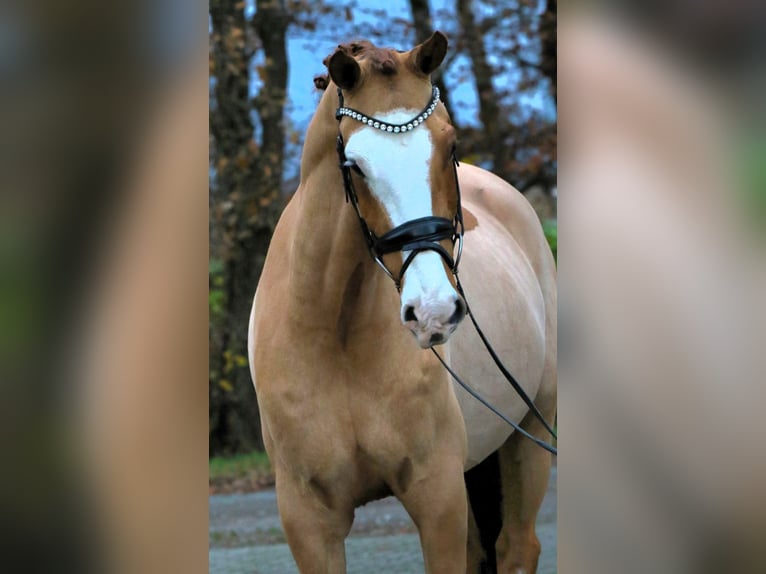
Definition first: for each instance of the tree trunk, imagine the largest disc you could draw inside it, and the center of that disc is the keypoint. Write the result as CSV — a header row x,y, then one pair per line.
x,y
421,18
246,203
270,22
493,122
548,45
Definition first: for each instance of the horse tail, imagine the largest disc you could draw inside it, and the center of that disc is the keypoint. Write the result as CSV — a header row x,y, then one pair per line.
x,y
485,499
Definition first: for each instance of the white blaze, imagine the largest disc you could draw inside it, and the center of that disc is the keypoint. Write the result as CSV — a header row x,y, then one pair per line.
x,y
397,171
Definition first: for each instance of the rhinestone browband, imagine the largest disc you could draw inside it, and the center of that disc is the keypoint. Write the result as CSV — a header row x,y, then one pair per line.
x,y
393,128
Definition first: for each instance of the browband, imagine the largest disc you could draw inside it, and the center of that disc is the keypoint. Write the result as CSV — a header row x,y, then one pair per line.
x,y
384,126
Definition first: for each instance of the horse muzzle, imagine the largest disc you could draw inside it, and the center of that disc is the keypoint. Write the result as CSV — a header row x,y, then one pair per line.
x,y
432,322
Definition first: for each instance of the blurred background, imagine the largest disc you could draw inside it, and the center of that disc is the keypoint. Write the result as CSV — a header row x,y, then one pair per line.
x,y
498,82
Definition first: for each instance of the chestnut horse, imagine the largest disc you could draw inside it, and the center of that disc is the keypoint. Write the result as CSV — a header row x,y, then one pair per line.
x,y
353,408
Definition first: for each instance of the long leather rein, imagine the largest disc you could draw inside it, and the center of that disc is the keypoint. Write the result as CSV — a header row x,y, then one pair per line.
x,y
425,234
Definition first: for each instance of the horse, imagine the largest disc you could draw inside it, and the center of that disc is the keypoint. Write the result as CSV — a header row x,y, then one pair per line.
x,y
353,405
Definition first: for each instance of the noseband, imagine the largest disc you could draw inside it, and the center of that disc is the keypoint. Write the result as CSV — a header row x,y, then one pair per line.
x,y
417,235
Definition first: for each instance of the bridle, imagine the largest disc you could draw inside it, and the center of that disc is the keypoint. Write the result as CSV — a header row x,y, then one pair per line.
x,y
424,234
417,235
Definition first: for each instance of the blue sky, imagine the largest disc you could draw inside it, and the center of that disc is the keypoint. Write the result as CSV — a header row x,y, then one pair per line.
x,y
306,52
306,61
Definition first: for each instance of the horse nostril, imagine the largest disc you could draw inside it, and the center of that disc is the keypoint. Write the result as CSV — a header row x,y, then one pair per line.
x,y
436,338
409,313
459,313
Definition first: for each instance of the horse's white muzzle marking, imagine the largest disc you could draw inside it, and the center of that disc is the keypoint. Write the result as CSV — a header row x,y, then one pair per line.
x,y
431,308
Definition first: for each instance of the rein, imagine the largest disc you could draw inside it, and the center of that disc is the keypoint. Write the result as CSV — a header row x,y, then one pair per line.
x,y
424,234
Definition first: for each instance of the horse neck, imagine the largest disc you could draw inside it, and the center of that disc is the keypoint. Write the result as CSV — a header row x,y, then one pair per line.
x,y
333,281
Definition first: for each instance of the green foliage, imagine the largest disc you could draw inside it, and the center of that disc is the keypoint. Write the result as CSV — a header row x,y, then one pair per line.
x,y
216,295
216,298
238,466
753,173
550,228
215,267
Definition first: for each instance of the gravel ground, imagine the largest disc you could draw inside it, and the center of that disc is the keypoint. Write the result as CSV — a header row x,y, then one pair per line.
x,y
246,536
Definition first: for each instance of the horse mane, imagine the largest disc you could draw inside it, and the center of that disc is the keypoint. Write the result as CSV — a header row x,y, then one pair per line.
x,y
380,59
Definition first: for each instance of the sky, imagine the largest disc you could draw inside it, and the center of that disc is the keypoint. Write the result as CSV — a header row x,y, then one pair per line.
x,y
305,63
305,55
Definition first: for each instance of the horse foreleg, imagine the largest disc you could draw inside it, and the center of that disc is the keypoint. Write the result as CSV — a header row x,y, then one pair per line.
x,y
525,471
474,551
316,524
436,501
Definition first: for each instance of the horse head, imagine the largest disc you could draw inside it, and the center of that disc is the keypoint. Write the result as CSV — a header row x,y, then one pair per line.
x,y
397,144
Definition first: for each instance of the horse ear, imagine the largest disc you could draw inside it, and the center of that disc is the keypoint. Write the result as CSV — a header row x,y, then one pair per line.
x,y
344,70
430,54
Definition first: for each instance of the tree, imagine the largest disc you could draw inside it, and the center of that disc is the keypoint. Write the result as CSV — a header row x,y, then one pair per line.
x,y
548,46
245,200
421,19
493,122
516,141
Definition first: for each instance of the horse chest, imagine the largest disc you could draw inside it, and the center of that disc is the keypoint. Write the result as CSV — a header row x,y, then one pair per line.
x,y
348,426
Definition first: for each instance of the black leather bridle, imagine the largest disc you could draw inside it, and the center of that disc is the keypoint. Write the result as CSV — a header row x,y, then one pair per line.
x,y
417,235
424,234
